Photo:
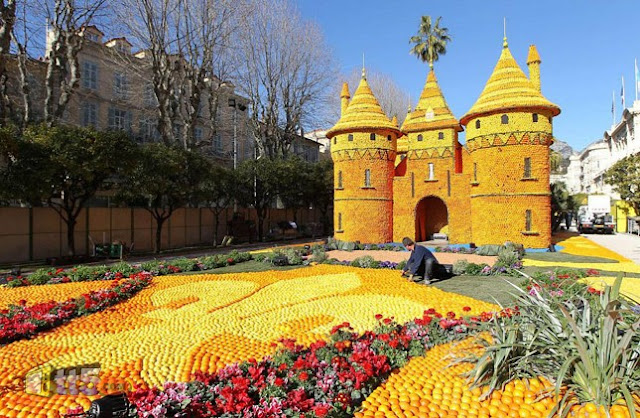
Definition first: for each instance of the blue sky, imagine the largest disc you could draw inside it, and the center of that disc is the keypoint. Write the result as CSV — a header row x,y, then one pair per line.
x,y
585,46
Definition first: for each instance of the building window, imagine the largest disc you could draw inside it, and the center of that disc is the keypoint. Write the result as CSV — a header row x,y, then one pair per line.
x,y
91,36
339,221
120,119
90,75
527,220
350,137
149,95
440,135
478,124
335,140
340,179
527,168
419,137
388,137
198,134
431,171
89,114
120,86
535,117
504,119
217,143
372,137
367,178
148,128
475,172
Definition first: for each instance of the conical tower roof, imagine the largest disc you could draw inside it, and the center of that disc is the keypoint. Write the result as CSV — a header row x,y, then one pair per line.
x,y
363,112
432,111
508,88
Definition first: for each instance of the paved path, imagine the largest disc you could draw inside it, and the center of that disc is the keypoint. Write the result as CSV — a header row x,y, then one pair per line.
x,y
626,245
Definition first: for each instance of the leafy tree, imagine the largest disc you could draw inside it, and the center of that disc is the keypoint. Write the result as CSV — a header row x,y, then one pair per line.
x,y
293,183
624,176
555,161
163,179
64,167
217,191
319,190
563,205
259,182
431,40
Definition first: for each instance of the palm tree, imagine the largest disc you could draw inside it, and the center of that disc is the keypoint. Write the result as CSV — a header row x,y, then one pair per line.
x,y
431,40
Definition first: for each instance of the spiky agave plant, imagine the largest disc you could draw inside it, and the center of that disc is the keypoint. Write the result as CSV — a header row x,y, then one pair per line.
x,y
589,348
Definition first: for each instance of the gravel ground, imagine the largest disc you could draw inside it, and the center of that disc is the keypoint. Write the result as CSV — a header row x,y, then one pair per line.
x,y
397,256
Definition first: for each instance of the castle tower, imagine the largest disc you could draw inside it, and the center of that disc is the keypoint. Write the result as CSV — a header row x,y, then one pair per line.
x,y
533,62
509,131
363,148
432,162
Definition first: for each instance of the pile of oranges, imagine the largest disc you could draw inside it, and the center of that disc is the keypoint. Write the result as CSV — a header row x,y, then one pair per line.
x,y
45,293
434,386
183,324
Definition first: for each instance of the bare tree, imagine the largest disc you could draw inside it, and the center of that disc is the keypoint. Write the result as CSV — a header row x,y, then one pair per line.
x,y
7,22
20,37
187,44
286,73
393,99
66,20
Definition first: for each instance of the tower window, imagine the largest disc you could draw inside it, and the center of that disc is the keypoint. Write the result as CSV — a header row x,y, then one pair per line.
x,y
340,179
335,140
440,135
372,137
389,137
339,221
549,119
527,220
367,178
478,124
351,137
527,168
504,119
419,137
431,171
535,117
475,172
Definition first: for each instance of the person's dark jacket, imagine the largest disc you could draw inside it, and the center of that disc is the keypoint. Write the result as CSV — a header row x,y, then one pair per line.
x,y
416,263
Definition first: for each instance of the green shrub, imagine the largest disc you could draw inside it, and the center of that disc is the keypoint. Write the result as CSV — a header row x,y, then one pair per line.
x,y
401,265
365,261
506,258
460,267
151,266
491,250
42,276
474,269
318,254
184,264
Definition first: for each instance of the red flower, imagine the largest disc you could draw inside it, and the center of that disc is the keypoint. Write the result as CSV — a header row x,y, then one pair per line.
x,y
321,410
378,317
303,376
466,309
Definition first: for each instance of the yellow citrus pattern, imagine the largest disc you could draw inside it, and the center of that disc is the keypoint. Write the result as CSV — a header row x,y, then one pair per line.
x,y
45,293
630,286
433,386
184,324
579,245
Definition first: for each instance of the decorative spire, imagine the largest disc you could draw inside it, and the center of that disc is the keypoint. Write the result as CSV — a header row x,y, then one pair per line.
x,y
364,75
345,91
504,40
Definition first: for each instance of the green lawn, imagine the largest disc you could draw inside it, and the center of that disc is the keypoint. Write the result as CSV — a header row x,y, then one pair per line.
x,y
245,267
494,289
567,258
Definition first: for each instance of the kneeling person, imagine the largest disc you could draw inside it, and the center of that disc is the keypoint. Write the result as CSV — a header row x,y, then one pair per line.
x,y
421,264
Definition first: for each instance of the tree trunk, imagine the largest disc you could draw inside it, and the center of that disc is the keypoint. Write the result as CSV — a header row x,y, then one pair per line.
x,y
71,238
8,16
215,231
260,224
158,243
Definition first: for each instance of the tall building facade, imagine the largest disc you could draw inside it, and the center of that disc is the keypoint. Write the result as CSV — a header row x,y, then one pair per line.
x,y
419,180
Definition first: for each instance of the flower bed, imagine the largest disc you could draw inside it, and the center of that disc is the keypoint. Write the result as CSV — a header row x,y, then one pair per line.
x,y
58,293
123,269
22,321
203,323
326,379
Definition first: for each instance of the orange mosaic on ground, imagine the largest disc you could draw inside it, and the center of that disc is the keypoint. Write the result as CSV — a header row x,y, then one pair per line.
x,y
45,293
434,386
184,324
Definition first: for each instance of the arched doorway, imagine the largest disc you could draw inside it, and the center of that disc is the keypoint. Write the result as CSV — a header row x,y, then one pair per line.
x,y
431,217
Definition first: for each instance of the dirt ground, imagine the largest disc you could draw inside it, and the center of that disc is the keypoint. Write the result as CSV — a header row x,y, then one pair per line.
x,y
397,256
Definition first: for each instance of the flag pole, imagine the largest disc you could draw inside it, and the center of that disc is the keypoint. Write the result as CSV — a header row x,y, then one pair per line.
x,y
636,72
